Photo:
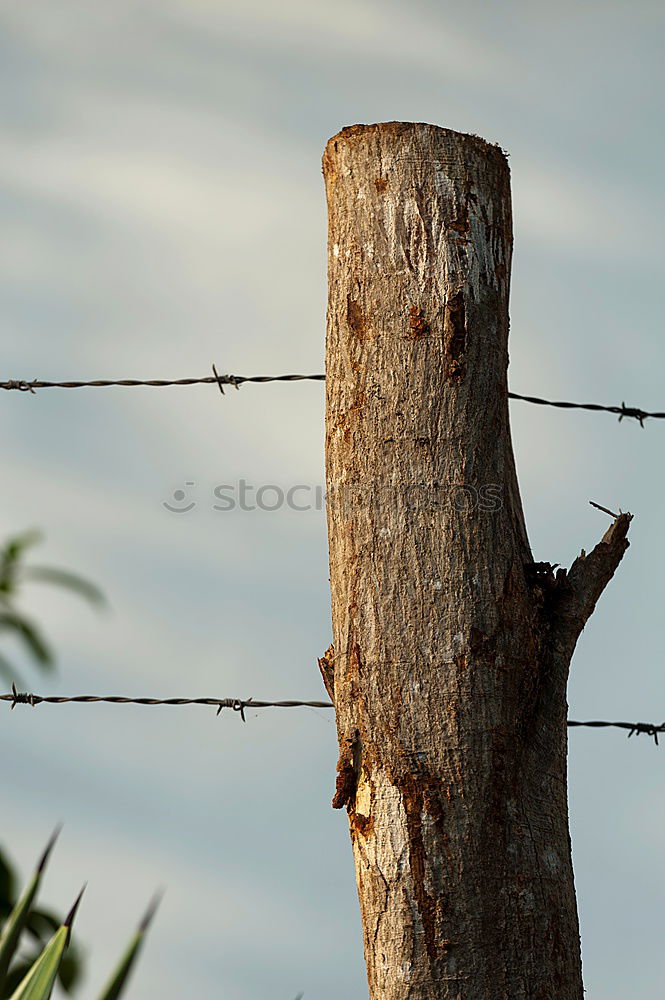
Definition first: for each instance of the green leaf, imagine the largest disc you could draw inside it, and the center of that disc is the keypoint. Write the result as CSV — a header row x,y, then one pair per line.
x,y
10,556
30,634
63,578
115,985
7,886
69,973
39,982
15,547
18,917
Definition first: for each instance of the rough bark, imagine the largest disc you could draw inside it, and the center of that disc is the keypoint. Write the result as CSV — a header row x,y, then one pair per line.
x,y
451,647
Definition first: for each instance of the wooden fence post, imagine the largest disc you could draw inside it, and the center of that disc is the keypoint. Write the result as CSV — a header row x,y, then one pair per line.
x,y
451,647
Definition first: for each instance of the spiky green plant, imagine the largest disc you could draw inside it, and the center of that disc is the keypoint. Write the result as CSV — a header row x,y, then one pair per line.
x,y
34,979
21,915
18,918
40,978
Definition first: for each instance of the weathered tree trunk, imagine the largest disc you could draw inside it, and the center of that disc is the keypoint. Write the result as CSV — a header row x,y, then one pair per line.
x,y
451,647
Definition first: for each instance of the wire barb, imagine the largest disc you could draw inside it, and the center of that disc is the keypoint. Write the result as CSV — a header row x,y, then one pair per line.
x,y
223,380
19,698
20,385
633,411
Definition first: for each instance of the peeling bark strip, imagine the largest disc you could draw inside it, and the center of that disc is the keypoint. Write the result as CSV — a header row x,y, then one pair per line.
x,y
451,647
327,668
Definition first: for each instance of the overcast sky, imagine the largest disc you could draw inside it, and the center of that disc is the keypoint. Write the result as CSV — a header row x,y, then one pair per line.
x,y
163,209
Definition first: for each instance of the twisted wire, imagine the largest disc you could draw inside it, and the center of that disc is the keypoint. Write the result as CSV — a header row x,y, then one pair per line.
x,y
240,704
233,380
22,385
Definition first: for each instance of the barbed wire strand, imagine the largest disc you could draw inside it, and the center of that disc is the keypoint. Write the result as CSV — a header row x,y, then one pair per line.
x,y
221,380
241,704
634,728
236,704
21,385
623,411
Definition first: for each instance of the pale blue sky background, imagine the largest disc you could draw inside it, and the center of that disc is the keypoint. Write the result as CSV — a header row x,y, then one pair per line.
x,y
163,208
